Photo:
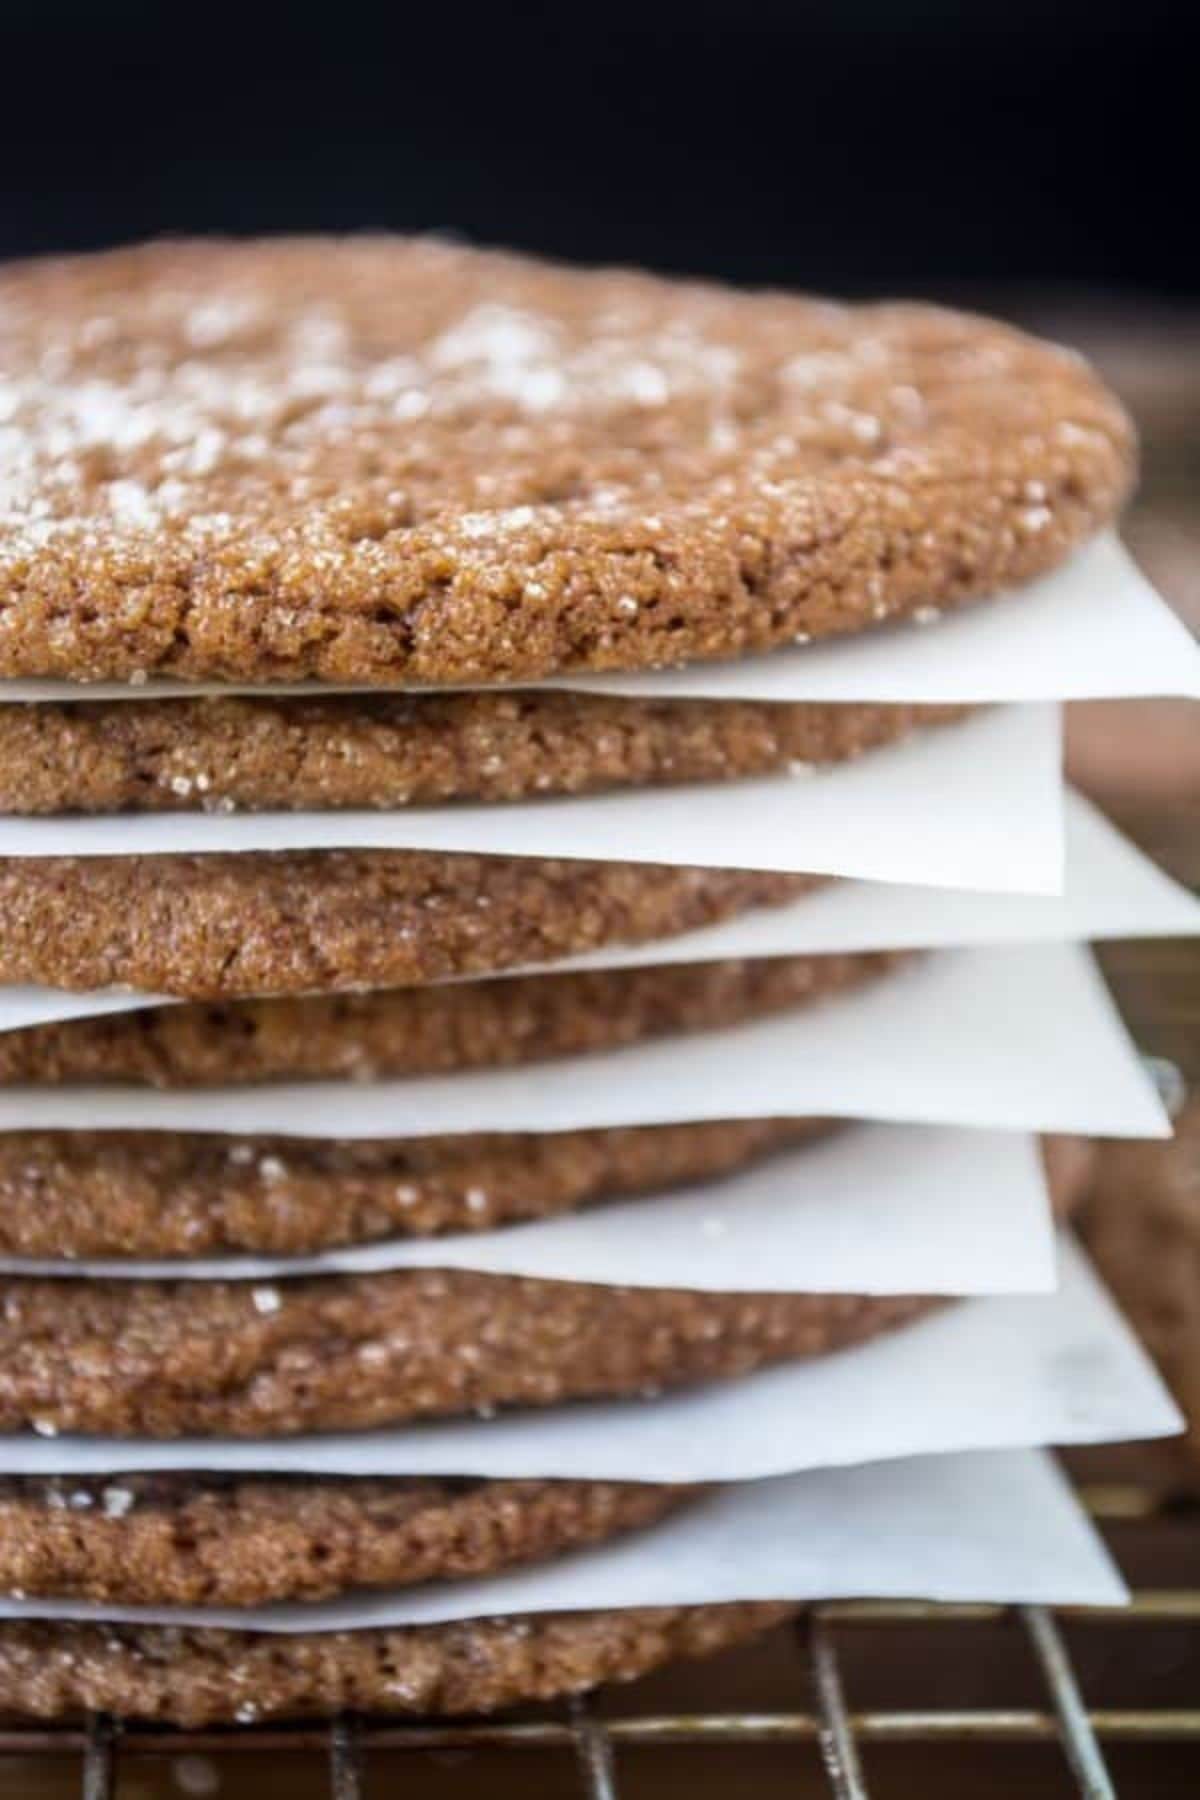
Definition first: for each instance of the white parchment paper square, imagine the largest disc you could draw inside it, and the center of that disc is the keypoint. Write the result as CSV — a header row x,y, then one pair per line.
x,y
975,804
889,1209
998,1526
980,1374
1111,890
1015,1039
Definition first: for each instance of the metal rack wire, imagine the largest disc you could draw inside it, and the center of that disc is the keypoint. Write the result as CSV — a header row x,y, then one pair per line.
x,y
829,1724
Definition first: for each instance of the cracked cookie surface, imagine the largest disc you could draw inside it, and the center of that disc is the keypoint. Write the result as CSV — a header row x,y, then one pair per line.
x,y
224,925
378,461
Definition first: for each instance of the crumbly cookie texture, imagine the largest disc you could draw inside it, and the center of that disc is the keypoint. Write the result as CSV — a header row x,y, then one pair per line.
x,y
426,1031
251,753
209,1540
387,461
189,1677
161,1194
164,1194
224,925
241,1359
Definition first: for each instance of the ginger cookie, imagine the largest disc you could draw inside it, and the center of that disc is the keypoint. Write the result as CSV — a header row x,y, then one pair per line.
x,y
348,1352
157,1194
426,1031
388,751
182,1676
378,460
211,1540
225,925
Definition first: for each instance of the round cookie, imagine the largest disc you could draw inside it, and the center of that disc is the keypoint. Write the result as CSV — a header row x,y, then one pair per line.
x,y
348,1352
380,461
158,1194
421,750
223,926
210,1540
182,1676
425,1031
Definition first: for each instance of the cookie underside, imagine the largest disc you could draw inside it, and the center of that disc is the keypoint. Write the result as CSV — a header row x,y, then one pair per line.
x,y
194,1678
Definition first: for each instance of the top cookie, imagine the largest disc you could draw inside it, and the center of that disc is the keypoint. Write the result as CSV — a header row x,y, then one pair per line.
x,y
386,461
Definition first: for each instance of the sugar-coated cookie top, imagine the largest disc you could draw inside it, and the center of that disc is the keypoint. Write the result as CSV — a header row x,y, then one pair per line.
x,y
387,460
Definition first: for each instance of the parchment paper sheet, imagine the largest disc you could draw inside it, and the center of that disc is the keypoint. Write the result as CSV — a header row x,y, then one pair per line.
x,y
974,804
982,1374
999,1526
889,1209
1111,890
1022,1038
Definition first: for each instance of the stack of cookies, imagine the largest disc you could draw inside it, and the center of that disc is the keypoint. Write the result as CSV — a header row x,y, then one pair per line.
x,y
351,528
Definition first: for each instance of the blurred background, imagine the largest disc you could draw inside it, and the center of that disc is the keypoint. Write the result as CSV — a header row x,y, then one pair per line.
x,y
849,144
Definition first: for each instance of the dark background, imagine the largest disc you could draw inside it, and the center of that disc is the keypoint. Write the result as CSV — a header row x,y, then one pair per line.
x,y
915,145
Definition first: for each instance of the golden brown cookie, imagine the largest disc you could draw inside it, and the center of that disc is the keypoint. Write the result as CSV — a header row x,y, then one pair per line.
x,y
378,750
159,1194
426,1031
380,460
191,1677
222,926
347,1352
180,1539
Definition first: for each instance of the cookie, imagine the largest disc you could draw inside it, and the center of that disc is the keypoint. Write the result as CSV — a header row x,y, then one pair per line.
x,y
210,1540
183,1676
1141,1222
159,1194
425,1031
347,1352
226,925
421,750
379,461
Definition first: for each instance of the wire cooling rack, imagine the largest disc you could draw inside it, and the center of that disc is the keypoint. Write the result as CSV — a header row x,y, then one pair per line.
x,y
826,1728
